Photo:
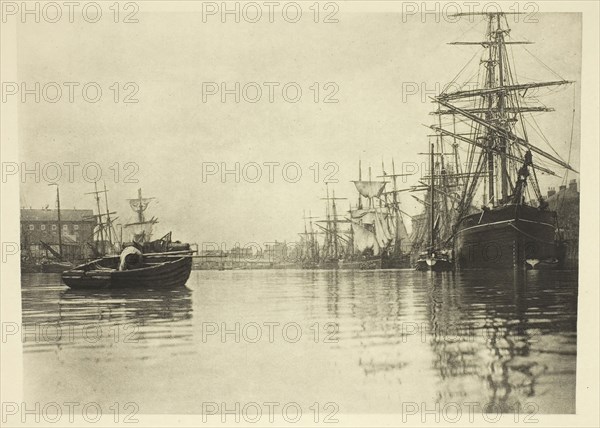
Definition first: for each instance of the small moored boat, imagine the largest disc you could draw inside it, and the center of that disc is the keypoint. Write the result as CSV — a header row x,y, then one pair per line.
x,y
157,270
436,261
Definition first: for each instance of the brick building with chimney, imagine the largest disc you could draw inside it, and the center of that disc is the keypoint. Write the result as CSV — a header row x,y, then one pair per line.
x,y
565,202
39,226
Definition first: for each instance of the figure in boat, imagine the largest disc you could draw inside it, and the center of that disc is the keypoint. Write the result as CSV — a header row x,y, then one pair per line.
x,y
143,262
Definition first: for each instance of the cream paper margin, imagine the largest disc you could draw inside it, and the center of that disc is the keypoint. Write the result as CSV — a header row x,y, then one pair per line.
x,y
588,323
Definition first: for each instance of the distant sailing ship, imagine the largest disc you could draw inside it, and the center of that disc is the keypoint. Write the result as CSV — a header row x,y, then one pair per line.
x,y
335,240
371,236
378,228
508,231
309,245
435,257
141,230
397,253
104,235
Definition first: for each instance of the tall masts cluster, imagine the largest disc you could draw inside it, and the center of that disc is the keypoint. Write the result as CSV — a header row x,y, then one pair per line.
x,y
333,235
491,113
104,235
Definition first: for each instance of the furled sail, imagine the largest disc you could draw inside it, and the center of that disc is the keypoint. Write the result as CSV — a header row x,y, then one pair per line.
x,y
370,189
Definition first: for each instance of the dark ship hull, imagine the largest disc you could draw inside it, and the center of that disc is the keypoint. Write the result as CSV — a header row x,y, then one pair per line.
x,y
508,237
400,261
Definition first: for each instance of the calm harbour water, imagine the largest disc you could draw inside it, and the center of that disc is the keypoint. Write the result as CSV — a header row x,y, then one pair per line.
x,y
365,340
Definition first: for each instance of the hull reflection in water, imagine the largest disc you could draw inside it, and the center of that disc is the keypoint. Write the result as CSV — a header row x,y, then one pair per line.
x,y
95,319
400,335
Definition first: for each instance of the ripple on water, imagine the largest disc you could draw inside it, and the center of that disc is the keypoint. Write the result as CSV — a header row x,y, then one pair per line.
x,y
469,336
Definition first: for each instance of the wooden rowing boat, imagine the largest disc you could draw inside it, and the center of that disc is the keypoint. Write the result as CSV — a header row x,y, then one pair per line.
x,y
157,271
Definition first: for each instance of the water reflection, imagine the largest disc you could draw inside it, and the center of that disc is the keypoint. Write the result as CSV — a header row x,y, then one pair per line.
x,y
486,337
499,336
58,317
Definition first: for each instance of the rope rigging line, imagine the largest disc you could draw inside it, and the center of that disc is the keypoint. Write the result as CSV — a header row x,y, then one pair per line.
x,y
459,73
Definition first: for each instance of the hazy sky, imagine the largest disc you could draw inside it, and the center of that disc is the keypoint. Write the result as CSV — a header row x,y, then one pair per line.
x,y
171,132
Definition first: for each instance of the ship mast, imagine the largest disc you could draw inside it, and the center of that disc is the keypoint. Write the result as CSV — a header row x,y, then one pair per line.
x,y
139,205
100,223
60,246
360,205
313,239
108,220
490,67
431,197
332,234
335,233
503,166
104,228
491,114
394,206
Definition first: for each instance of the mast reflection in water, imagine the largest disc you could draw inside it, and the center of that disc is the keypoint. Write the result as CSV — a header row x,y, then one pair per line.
x,y
398,336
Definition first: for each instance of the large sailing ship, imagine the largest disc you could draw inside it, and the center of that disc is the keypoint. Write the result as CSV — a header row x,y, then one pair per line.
x,y
514,227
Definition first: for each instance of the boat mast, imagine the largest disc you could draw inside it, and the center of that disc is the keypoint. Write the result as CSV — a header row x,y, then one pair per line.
x,y
314,242
370,199
335,233
140,210
313,251
492,121
104,229
490,101
108,220
100,223
503,166
60,246
360,205
328,230
431,197
396,211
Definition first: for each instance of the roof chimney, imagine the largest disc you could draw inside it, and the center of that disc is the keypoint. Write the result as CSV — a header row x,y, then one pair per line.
x,y
562,187
573,185
551,191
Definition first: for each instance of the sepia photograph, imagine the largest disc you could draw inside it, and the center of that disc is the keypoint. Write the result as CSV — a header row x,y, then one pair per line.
x,y
309,213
